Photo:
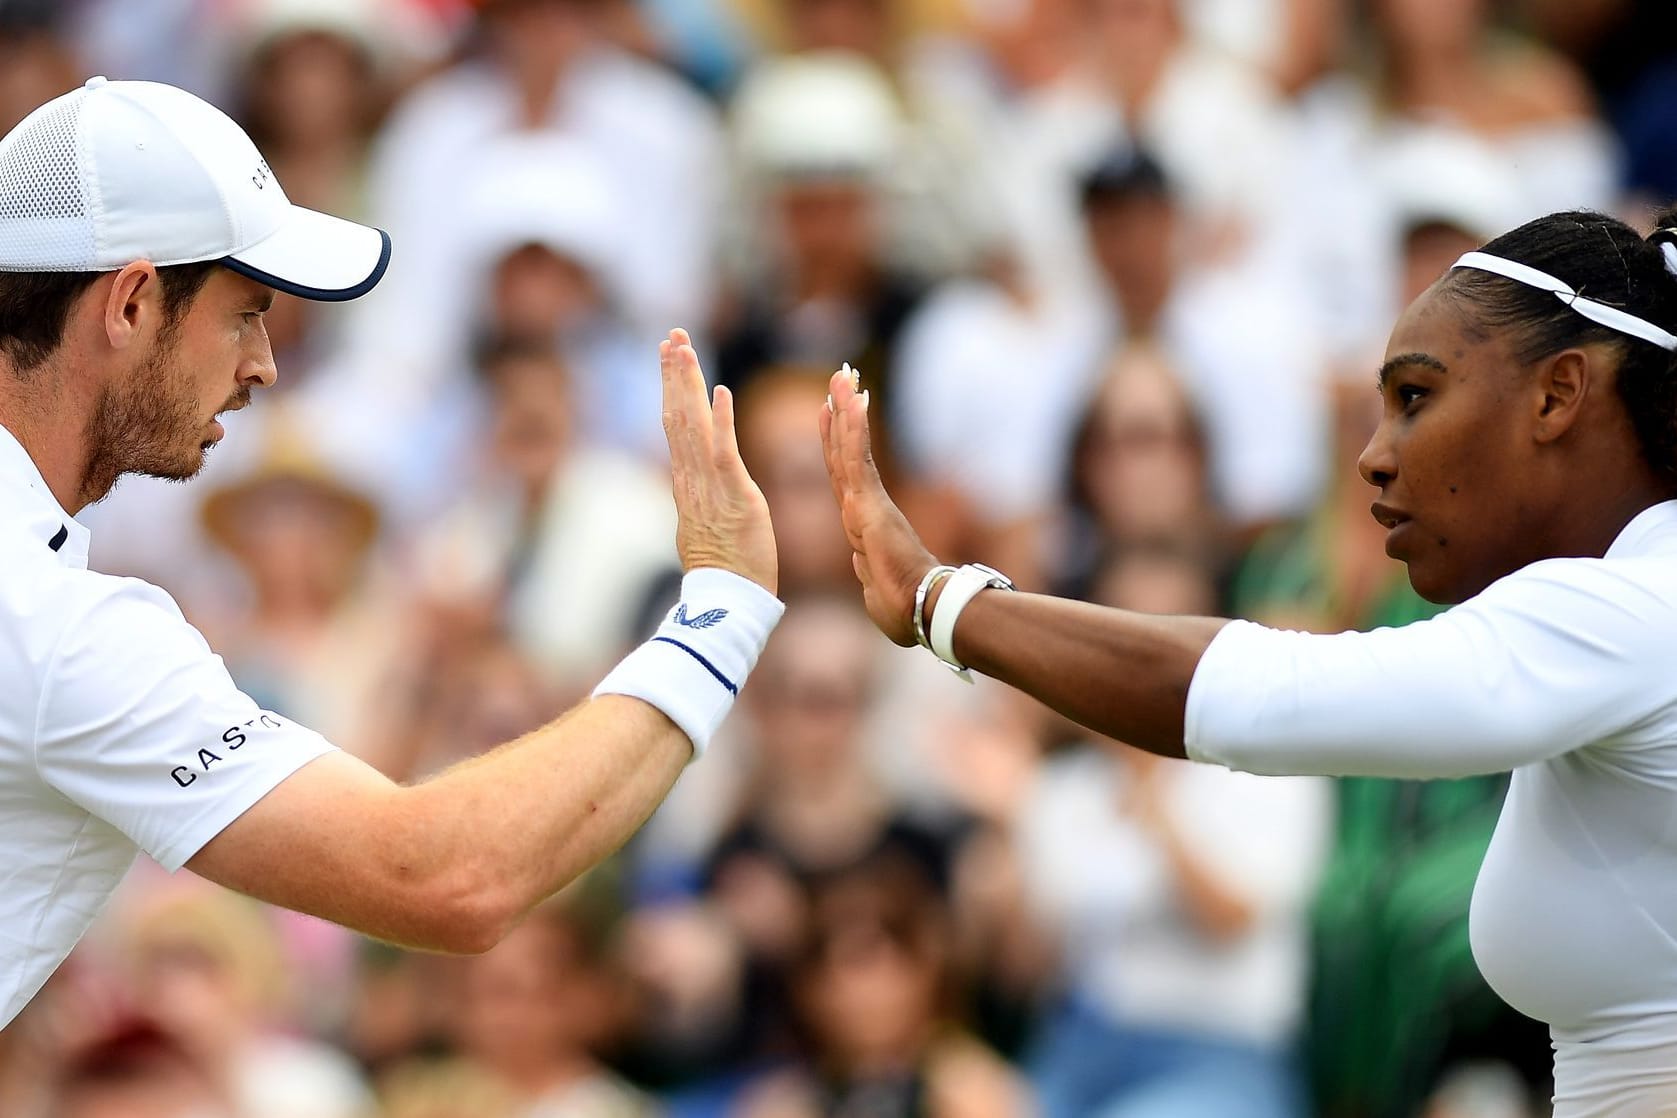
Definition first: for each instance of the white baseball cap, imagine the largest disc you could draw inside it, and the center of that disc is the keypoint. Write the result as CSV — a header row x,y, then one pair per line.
x,y
116,172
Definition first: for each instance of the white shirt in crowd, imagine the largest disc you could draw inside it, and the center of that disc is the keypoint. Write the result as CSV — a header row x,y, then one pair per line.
x,y
1566,673
1129,948
120,732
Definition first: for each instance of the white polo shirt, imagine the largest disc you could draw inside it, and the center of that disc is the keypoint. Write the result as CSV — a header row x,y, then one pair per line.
x,y
120,731
1566,673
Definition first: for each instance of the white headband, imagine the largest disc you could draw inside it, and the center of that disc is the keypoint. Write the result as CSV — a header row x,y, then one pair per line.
x,y
1611,317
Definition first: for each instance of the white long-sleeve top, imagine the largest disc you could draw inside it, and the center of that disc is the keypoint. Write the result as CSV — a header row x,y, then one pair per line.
x,y
1566,673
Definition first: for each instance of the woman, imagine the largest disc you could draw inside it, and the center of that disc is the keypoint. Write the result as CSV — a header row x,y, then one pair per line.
x,y
1527,463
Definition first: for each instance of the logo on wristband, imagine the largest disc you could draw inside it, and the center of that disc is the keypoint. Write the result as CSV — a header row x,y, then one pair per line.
x,y
700,621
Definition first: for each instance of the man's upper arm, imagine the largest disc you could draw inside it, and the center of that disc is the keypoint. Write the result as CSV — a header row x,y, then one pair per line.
x,y
316,843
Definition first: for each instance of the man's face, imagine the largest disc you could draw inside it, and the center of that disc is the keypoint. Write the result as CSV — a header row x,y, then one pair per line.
x,y
1452,456
159,419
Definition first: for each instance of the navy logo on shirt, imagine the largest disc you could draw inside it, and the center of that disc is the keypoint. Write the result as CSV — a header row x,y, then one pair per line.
x,y
702,621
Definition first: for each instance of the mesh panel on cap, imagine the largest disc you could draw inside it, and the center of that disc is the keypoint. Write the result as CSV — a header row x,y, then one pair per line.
x,y
44,223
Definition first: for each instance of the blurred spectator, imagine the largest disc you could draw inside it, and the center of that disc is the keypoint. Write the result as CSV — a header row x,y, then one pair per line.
x,y
1177,894
545,239
941,187
534,1010
37,62
774,433
565,536
816,135
207,964
544,66
1447,61
468,688
138,1070
315,633
1243,349
812,807
990,377
875,990
314,79
445,1089
1138,471
1141,78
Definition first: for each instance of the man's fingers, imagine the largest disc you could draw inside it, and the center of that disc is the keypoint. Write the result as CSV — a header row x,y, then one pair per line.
x,y
725,444
687,418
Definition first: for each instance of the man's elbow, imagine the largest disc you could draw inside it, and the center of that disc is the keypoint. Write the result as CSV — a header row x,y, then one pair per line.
x,y
463,916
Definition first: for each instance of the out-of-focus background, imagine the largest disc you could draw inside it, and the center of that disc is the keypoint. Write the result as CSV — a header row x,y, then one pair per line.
x,y
1119,272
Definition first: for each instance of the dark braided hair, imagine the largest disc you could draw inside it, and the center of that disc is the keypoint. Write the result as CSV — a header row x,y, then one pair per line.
x,y
1606,260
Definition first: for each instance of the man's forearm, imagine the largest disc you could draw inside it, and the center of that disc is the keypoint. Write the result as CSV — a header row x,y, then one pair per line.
x,y
452,863
1120,673
520,822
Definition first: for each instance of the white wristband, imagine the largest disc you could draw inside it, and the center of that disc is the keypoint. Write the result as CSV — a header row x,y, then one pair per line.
x,y
695,664
961,588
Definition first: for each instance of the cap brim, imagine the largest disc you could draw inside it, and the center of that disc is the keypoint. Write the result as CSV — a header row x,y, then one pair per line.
x,y
317,256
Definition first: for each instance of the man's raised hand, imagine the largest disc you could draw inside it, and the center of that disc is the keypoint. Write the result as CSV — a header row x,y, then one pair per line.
x,y
722,518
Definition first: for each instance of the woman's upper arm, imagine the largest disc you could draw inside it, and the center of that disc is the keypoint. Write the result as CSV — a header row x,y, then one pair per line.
x,y
1552,658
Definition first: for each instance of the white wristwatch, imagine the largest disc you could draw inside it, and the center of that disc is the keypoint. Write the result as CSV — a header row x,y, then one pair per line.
x,y
960,588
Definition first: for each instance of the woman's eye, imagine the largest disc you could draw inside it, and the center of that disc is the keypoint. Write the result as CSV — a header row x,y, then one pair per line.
x,y
1409,394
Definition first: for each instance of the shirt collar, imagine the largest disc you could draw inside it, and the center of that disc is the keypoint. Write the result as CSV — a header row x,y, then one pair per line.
x,y
1652,529
24,497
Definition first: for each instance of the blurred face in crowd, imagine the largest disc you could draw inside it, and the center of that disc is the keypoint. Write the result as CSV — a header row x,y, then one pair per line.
x,y
1453,452
1428,252
829,226
531,420
1413,27
139,1075
862,26
1134,238
312,88
812,689
871,985
1139,29
1158,582
536,38
535,292
530,1002
34,68
1143,467
774,440
301,542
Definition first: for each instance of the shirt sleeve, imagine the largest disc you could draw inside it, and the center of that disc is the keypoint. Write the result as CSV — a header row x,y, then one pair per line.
x,y
1555,657
140,724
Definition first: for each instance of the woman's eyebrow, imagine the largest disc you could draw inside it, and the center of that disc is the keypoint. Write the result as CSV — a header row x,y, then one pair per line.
x,y
1426,360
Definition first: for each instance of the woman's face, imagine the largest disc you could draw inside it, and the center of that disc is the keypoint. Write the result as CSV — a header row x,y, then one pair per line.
x,y
1453,456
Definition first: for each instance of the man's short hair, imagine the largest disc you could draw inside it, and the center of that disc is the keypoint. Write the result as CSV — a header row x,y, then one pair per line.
x,y
35,306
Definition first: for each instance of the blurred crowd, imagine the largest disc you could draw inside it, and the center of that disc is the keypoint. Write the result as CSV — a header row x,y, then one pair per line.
x,y
1118,271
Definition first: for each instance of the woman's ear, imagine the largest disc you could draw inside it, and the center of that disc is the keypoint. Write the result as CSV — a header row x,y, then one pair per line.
x,y
1563,385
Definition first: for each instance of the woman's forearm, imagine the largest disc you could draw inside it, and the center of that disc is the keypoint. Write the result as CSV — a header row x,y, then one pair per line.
x,y
1120,673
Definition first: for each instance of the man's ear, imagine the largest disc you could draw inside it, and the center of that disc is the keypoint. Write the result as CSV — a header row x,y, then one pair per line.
x,y
1562,385
133,305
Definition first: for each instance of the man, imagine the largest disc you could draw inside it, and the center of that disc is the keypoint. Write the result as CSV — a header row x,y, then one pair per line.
x,y
142,238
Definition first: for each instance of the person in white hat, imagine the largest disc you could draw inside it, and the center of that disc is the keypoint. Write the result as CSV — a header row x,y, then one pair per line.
x,y
142,238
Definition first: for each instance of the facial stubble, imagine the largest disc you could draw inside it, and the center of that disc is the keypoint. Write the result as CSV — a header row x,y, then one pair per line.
x,y
149,424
